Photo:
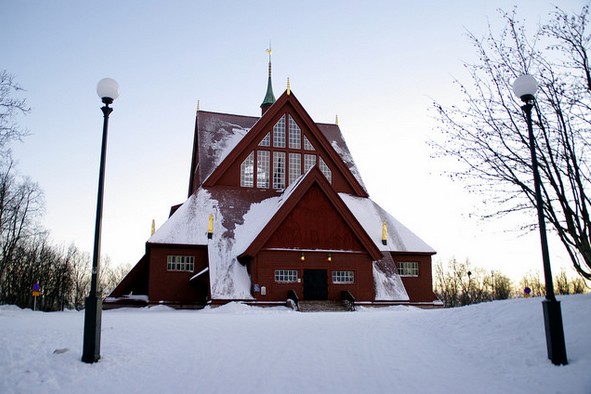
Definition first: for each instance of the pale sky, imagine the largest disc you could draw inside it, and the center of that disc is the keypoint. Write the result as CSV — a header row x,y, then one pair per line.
x,y
378,65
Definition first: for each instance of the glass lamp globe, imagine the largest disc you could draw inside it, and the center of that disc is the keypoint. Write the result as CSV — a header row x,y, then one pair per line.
x,y
108,88
525,86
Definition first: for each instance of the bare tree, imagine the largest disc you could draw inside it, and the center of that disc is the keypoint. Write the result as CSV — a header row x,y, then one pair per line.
x,y
487,132
458,284
10,107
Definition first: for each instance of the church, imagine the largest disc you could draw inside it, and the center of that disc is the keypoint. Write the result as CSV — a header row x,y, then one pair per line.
x,y
277,211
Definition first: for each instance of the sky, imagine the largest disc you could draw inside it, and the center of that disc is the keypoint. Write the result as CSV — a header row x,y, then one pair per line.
x,y
377,65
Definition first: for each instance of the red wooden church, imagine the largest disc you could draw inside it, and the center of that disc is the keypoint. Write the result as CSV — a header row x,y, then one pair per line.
x,y
277,209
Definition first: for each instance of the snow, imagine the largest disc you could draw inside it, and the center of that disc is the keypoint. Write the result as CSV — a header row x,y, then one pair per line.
x,y
372,216
496,347
388,287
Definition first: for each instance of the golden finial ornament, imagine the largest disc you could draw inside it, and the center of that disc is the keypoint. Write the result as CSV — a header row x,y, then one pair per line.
x,y
288,87
153,230
336,119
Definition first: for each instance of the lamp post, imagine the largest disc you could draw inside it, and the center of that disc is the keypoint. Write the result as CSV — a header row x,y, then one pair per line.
x,y
525,88
108,90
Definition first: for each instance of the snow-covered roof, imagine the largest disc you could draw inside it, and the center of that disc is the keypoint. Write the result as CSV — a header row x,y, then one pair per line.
x,y
238,221
372,216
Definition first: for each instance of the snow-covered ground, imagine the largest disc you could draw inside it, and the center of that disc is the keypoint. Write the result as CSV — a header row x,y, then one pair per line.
x,y
497,347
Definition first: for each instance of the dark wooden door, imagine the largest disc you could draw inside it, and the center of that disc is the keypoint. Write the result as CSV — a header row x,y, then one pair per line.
x,y
315,285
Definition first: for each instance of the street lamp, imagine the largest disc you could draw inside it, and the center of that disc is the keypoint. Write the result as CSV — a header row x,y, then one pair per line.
x,y
108,90
525,88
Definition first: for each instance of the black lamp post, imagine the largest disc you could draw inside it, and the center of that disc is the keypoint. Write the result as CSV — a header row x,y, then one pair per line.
x,y
108,90
525,88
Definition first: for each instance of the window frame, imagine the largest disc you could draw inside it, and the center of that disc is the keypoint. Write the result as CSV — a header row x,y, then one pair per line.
x,y
288,275
409,269
180,263
343,277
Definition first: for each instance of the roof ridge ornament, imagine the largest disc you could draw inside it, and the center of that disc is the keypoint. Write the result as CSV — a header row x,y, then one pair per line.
x,y
288,87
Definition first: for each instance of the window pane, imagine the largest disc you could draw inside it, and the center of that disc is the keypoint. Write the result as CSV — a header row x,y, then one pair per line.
x,y
295,167
408,268
295,135
307,144
279,133
263,162
340,277
278,170
247,171
286,276
325,170
309,161
266,141
180,263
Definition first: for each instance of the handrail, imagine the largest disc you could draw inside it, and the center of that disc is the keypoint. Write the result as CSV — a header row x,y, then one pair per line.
x,y
292,295
348,300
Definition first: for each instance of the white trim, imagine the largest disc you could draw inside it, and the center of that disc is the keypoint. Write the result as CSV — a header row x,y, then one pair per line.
x,y
199,273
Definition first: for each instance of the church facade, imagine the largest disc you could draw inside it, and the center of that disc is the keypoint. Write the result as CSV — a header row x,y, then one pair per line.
x,y
277,210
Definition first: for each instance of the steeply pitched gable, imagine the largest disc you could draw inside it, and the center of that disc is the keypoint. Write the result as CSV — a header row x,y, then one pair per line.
x,y
345,180
314,186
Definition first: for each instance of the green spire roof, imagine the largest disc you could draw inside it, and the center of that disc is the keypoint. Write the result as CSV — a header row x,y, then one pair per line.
x,y
269,96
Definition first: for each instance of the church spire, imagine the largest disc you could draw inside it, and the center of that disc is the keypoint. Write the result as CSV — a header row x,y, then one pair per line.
x,y
269,96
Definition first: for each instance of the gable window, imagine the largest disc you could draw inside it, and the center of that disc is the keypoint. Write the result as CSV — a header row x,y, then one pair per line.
x,y
180,263
247,171
343,277
279,133
281,157
278,170
295,135
263,168
408,268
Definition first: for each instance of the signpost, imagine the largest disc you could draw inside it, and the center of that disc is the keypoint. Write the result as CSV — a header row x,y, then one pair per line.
x,y
36,293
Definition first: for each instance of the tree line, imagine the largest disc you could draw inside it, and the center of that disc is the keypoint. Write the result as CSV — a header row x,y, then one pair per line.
x,y
27,255
459,284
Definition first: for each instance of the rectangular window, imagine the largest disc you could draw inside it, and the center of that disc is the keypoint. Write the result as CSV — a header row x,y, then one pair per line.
x,y
307,144
343,277
309,161
278,170
279,133
324,169
266,141
247,171
408,268
286,276
263,169
180,263
295,167
295,134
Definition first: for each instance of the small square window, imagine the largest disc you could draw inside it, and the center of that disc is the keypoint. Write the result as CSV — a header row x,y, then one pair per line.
x,y
408,268
286,276
343,277
180,263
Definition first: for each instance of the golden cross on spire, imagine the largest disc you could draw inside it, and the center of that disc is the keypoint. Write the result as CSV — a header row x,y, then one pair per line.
x,y
269,52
